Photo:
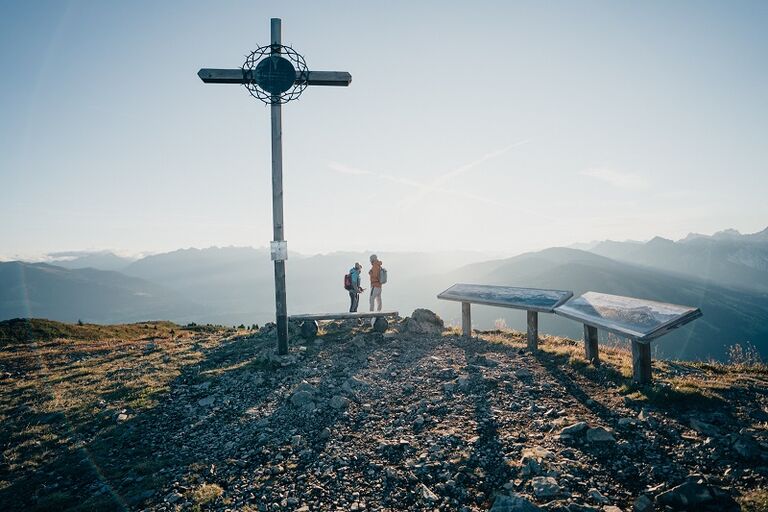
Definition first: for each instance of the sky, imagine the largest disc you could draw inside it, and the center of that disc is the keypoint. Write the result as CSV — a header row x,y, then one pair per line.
x,y
489,126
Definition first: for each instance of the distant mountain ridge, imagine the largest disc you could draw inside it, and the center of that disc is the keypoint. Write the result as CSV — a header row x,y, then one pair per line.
x,y
100,260
722,274
726,258
42,290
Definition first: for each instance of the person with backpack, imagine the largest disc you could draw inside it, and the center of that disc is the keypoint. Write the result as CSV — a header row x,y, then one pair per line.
x,y
352,285
378,277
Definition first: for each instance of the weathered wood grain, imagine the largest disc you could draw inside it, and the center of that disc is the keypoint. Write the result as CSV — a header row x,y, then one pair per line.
x,y
533,330
466,319
342,316
641,362
591,346
241,76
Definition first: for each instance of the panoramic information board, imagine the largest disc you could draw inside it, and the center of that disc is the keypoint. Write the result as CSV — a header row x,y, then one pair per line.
x,y
531,299
638,319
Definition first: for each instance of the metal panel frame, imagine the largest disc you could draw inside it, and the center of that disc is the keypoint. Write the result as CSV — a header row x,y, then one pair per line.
x,y
642,337
466,298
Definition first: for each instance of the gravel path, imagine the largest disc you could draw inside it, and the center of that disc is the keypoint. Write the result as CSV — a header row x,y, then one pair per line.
x,y
431,422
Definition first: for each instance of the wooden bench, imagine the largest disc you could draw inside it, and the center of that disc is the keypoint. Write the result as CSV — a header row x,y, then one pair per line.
x,y
309,321
637,319
532,300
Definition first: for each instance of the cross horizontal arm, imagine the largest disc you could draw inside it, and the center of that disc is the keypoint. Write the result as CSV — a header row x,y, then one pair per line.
x,y
243,76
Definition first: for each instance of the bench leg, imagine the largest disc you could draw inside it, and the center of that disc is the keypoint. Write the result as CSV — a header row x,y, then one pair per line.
x,y
641,363
590,344
533,331
466,319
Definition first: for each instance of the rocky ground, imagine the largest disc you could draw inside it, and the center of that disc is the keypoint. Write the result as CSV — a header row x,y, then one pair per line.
x,y
412,419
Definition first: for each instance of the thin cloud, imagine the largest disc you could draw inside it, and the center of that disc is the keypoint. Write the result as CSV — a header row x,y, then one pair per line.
x,y
345,169
623,180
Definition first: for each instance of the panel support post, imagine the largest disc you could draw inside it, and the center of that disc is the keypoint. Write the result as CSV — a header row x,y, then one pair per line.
x,y
466,319
641,362
533,330
277,204
590,344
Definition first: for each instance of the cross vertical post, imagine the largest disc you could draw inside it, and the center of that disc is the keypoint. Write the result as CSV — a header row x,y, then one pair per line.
x,y
276,74
281,313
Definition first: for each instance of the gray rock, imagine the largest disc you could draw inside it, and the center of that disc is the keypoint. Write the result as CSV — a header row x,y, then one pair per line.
x,y
426,493
643,504
545,487
300,398
577,507
523,373
424,321
173,497
745,446
600,435
689,495
305,386
207,401
627,422
704,428
574,430
339,402
513,503
597,497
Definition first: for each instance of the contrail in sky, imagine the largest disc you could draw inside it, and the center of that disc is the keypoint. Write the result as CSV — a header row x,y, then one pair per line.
x,y
435,185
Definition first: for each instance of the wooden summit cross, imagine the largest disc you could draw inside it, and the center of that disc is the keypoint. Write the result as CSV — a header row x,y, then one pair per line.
x,y
276,74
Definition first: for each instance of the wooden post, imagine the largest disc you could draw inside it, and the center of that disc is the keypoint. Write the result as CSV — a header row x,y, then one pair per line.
x,y
533,330
466,319
277,204
641,362
590,344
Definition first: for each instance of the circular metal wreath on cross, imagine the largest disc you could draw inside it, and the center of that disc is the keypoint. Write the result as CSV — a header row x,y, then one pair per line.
x,y
275,74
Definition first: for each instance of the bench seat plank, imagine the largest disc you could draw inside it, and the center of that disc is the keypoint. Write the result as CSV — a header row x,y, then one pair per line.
x,y
637,319
341,316
530,299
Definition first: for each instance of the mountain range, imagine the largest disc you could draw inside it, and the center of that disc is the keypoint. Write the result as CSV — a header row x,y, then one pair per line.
x,y
726,275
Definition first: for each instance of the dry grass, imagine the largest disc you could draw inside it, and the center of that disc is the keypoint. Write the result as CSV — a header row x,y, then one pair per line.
x,y
701,385
755,501
206,493
61,394
61,397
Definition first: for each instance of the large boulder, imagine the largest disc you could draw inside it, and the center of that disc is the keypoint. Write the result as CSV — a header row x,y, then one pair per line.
x,y
424,321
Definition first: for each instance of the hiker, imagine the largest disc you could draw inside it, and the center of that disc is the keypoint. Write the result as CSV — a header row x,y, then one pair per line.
x,y
376,281
354,289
